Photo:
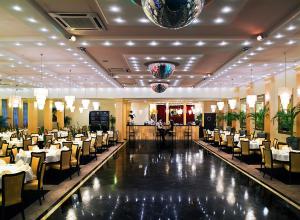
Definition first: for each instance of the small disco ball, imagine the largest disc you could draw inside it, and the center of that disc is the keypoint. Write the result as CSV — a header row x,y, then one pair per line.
x,y
159,87
172,14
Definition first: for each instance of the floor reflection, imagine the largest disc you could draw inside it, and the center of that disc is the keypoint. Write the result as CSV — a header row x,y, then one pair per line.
x,y
146,181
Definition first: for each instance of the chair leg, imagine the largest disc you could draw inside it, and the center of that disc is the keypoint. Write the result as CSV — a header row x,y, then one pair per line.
x,y
70,174
290,177
23,213
2,212
264,172
43,193
39,192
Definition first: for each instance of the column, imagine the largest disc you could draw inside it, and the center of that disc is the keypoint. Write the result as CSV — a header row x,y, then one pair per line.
x,y
184,113
268,91
236,124
167,113
10,114
297,92
119,118
48,115
61,118
32,116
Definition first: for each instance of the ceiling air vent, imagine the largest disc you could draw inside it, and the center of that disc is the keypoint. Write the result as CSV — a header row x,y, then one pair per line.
x,y
79,21
118,70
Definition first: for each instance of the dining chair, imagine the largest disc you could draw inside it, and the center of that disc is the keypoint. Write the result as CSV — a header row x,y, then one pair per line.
x,y
41,155
37,184
12,191
35,166
4,149
262,162
294,164
30,147
269,163
275,143
26,143
75,157
34,140
83,138
57,146
217,138
48,138
64,165
14,152
98,142
85,150
104,140
6,159
267,144
67,144
245,149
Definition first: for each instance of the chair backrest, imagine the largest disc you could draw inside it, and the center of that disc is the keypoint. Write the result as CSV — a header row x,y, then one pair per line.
x,y
69,136
41,175
295,162
55,135
85,149
105,138
65,159
30,147
35,165
217,136
74,150
93,141
267,144
48,137
4,149
12,188
47,145
245,146
26,143
34,140
67,144
99,140
229,140
56,145
14,152
6,159
275,143
41,155
268,158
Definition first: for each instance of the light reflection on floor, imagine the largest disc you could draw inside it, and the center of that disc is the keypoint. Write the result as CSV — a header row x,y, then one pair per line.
x,y
146,181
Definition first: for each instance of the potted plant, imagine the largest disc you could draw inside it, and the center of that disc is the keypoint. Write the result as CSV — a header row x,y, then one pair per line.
x,y
259,117
112,121
286,121
198,119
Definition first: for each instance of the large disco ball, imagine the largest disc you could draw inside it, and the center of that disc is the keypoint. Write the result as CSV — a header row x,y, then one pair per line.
x,y
159,87
161,70
172,14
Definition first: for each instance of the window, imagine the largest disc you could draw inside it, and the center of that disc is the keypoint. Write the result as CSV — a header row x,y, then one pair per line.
x,y
15,117
25,114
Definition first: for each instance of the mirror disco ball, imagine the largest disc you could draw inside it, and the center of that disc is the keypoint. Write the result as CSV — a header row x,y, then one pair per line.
x,y
172,14
159,87
161,70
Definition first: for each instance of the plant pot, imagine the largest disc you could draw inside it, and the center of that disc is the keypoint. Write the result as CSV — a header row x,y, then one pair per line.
x,y
293,142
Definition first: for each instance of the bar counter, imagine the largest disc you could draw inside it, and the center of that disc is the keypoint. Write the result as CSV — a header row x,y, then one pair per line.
x,y
147,132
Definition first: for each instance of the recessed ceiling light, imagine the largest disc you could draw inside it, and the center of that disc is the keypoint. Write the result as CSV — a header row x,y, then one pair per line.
x,y
196,21
84,43
192,77
32,20
179,77
290,42
119,20
176,43
61,44
178,58
115,9
200,43
44,29
252,54
148,58
219,20
223,43
16,8
260,48
40,44
130,43
18,44
278,36
153,43
107,43
144,20
226,10
259,37
72,38
132,58
269,42
163,58
246,43
53,37
291,28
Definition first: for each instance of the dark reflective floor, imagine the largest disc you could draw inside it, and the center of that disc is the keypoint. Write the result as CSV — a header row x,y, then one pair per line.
x,y
146,181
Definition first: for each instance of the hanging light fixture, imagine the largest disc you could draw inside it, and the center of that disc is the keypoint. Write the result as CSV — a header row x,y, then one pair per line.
x,y
285,93
232,103
41,93
220,105
213,108
251,98
80,110
96,106
161,70
59,106
159,87
70,99
15,100
72,109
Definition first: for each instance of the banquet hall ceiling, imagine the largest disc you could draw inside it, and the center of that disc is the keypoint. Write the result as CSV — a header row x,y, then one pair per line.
x,y
220,45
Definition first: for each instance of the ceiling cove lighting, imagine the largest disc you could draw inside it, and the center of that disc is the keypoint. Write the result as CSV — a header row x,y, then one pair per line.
x,y
96,105
285,92
161,70
172,14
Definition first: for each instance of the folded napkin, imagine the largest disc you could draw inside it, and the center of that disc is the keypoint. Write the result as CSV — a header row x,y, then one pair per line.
x,y
19,163
22,153
64,148
24,167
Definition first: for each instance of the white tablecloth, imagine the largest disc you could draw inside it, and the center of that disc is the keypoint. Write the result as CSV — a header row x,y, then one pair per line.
x,y
236,137
282,154
51,155
13,168
254,145
17,143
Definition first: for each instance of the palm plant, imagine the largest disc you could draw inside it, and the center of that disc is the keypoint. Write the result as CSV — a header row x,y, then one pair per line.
x,y
242,118
286,119
230,117
259,117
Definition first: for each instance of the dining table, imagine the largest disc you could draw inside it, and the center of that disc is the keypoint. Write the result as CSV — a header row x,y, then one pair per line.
x,y
52,154
15,168
282,155
253,144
